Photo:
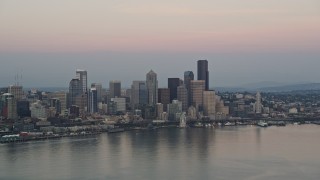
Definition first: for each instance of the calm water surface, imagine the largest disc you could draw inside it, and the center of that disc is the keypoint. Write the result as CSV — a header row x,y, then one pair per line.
x,y
286,153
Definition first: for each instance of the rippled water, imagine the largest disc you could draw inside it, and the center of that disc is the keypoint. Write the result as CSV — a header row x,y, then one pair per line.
x,y
290,152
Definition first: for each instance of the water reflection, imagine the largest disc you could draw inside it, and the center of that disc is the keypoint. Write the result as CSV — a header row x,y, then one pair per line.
x,y
226,153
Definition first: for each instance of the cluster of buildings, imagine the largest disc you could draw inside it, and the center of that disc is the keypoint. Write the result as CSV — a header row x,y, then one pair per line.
x,y
145,100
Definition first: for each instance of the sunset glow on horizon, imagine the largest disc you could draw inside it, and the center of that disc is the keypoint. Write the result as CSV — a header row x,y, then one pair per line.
x,y
168,26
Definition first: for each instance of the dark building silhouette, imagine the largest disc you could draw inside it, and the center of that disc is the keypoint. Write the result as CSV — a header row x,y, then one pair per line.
x,y
23,109
173,84
188,77
203,72
75,90
164,97
114,89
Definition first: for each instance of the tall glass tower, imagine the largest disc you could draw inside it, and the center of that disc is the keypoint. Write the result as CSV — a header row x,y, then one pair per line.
x,y
152,87
82,76
203,72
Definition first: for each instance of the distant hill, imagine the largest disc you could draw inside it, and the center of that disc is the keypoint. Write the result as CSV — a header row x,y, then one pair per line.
x,y
295,87
271,87
262,84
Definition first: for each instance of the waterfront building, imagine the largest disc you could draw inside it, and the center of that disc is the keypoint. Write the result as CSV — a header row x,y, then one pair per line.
x,y
192,113
188,77
258,104
174,110
159,110
83,78
173,84
152,87
209,104
197,88
203,72
182,94
92,101
114,89
221,109
164,97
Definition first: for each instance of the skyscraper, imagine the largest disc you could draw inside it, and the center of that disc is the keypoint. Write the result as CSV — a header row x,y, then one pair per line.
x,y
174,110
16,91
188,77
82,76
152,87
9,106
63,98
114,89
203,72
173,84
183,97
258,103
98,87
75,90
197,88
92,101
164,97
209,103
138,93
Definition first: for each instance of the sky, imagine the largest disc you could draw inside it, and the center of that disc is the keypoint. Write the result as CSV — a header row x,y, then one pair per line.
x,y
244,41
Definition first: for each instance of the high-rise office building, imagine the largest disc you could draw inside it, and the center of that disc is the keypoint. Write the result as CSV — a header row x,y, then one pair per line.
x,y
258,103
75,90
16,91
138,93
197,88
83,77
173,84
23,108
188,77
9,106
63,98
92,101
56,104
174,110
159,110
164,97
114,89
98,87
209,103
152,87
203,72
183,97
119,104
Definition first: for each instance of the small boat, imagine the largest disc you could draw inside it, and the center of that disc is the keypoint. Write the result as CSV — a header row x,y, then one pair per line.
x,y
229,124
262,124
115,130
198,124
